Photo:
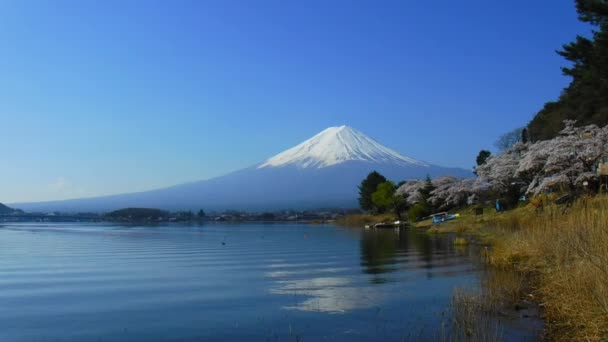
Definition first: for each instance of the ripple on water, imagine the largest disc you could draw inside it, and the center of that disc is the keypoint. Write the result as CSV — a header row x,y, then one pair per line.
x,y
226,282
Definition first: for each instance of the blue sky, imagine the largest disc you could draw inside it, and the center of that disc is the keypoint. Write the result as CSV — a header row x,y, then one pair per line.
x,y
102,97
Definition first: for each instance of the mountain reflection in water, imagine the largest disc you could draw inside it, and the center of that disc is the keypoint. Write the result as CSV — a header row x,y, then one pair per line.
x,y
232,282
388,251
386,256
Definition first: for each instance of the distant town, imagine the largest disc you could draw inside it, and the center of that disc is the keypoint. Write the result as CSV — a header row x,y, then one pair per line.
x,y
151,215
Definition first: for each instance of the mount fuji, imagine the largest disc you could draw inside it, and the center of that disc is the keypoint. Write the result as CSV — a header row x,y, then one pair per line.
x,y
337,145
321,172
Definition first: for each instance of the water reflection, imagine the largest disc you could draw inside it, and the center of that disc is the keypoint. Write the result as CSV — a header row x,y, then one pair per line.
x,y
223,282
387,259
328,294
378,252
385,251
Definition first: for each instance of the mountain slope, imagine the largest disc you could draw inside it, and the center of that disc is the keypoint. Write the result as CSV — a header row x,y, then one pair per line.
x,y
6,210
323,171
337,145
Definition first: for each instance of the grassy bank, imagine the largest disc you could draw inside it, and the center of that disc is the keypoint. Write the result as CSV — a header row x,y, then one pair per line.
x,y
468,226
565,253
562,252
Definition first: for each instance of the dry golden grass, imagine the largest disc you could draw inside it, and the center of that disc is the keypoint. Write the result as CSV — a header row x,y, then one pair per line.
x,y
564,250
460,241
477,313
567,251
471,319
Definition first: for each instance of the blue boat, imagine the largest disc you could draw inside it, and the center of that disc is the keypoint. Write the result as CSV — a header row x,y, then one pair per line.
x,y
442,217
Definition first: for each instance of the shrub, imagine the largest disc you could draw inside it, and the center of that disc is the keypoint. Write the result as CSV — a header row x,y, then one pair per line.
x,y
419,211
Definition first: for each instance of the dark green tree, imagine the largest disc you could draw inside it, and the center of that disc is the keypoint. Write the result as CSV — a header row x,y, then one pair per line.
x,y
482,157
425,192
201,214
424,207
418,211
267,216
384,197
400,205
586,97
367,188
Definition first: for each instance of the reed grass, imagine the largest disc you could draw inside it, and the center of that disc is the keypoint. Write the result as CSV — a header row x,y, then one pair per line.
x,y
567,252
476,313
562,252
471,319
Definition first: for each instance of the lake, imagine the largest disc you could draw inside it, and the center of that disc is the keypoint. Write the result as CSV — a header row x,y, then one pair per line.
x,y
227,282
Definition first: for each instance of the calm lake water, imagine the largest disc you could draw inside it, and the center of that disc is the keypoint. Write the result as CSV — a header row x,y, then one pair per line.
x,y
256,282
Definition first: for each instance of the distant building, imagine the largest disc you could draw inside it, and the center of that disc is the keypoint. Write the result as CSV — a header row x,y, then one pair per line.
x,y
602,171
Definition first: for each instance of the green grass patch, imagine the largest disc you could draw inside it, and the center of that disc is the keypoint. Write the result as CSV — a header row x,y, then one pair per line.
x,y
460,241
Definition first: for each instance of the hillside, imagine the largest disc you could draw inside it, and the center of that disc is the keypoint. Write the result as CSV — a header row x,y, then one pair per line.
x,y
586,97
6,210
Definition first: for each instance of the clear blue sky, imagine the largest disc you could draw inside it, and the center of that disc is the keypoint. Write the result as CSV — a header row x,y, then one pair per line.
x,y
101,97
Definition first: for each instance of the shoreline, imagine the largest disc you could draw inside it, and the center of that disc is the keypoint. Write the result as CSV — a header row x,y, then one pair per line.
x,y
561,254
558,259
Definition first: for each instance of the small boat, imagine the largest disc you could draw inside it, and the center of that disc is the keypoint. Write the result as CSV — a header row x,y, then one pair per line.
x,y
442,217
396,224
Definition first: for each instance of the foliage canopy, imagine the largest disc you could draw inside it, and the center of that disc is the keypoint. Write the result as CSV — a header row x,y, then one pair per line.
x,y
586,97
367,188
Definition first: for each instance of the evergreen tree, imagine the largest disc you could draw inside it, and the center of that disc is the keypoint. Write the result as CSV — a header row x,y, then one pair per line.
x,y
201,214
399,205
425,192
586,97
482,157
367,188
424,207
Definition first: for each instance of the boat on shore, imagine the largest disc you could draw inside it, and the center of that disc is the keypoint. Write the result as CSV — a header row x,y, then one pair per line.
x,y
386,225
442,217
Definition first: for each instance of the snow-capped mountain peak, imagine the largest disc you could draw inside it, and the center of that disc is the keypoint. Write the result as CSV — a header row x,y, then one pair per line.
x,y
336,145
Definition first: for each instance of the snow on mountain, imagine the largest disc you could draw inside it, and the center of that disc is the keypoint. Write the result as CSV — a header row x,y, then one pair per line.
x,y
336,145
322,172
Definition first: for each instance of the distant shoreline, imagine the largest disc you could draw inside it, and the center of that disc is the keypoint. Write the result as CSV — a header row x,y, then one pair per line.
x,y
62,219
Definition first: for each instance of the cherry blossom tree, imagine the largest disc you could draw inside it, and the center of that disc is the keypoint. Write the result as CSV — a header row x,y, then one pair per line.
x,y
567,160
499,171
411,191
452,192
449,191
